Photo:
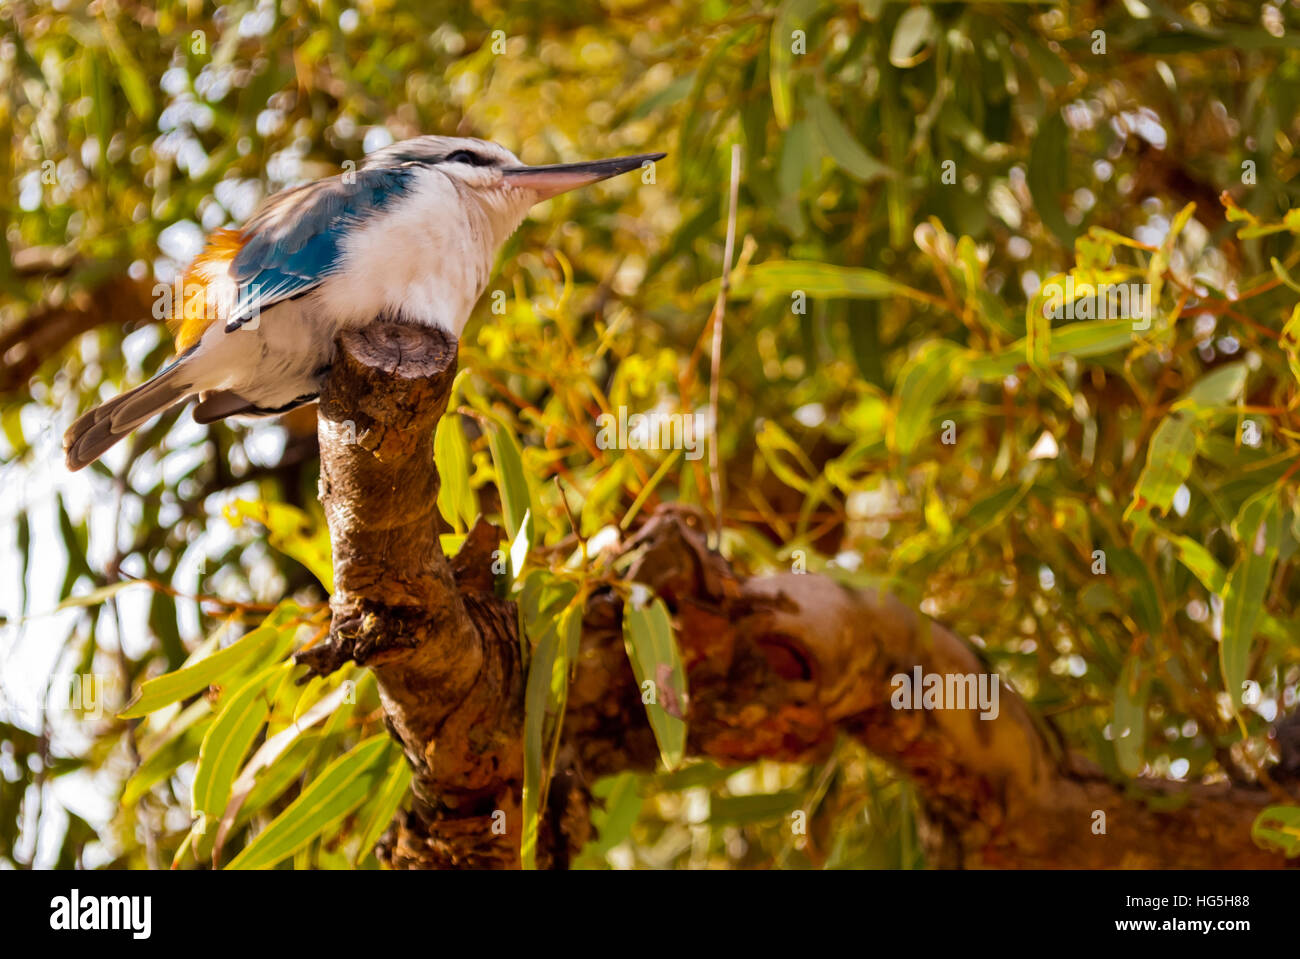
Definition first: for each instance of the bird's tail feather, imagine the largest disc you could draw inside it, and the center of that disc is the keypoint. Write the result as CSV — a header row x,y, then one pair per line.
x,y
92,434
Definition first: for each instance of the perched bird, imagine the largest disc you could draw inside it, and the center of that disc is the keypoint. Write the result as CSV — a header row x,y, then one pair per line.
x,y
410,237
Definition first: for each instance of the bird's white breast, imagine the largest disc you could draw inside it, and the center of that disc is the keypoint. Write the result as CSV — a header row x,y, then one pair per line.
x,y
425,259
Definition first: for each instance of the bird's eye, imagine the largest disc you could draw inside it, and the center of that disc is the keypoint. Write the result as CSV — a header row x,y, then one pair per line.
x,y
465,156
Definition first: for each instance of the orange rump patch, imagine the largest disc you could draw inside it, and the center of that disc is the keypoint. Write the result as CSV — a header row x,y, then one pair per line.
x,y
193,314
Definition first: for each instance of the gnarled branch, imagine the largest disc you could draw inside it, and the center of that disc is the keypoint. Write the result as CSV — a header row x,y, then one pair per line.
x,y
777,665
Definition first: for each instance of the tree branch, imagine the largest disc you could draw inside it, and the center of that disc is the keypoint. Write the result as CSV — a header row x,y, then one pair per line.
x,y
777,667
45,331
446,660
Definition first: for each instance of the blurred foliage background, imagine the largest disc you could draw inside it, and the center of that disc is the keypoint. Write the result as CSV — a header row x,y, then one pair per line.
x,y
1108,510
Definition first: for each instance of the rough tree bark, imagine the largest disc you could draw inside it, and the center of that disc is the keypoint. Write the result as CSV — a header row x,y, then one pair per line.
x,y
776,665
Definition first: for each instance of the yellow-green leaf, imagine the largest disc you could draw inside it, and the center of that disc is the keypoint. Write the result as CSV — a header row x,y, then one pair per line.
x,y
1217,388
914,31
813,279
451,455
657,664
544,701
1080,340
924,380
227,742
1128,723
780,56
1291,342
1259,531
292,532
840,143
97,596
536,700
1278,827
1202,565
512,481
340,788
188,680
384,806
1169,461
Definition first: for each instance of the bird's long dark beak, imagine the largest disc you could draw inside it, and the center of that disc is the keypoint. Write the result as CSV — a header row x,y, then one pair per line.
x,y
557,178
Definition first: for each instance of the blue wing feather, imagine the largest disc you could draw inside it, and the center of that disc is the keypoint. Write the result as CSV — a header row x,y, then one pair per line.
x,y
294,242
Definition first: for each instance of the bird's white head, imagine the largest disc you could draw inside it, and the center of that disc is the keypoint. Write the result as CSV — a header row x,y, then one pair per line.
x,y
430,257
490,177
